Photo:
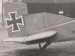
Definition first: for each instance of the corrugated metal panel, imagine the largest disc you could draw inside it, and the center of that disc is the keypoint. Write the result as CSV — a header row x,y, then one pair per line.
x,y
53,19
35,22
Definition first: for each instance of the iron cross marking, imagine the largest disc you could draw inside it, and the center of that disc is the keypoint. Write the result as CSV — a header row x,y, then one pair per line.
x,y
14,21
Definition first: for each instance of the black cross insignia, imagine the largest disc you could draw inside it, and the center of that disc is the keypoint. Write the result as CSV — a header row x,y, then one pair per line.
x,y
14,21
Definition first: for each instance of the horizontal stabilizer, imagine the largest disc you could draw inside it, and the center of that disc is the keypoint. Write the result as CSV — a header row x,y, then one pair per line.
x,y
41,35
17,39
37,36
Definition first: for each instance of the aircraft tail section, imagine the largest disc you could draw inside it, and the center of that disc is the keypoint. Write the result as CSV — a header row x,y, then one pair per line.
x,y
14,19
19,25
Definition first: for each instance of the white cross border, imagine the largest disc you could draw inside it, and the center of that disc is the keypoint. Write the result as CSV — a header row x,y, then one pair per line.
x,y
16,23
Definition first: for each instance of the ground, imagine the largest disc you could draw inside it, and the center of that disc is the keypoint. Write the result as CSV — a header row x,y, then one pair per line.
x,y
19,49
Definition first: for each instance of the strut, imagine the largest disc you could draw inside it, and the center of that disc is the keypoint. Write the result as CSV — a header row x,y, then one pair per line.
x,y
47,44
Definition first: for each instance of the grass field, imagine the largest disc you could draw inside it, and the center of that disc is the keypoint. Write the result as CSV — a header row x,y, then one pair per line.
x,y
18,49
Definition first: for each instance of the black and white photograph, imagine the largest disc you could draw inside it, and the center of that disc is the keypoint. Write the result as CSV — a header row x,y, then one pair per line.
x,y
37,28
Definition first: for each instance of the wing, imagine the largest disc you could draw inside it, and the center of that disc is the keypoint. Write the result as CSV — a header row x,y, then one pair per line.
x,y
37,36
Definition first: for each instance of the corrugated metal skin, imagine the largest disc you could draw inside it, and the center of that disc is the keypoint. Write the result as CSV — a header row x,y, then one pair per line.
x,y
48,1
64,32
21,9
36,22
53,19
